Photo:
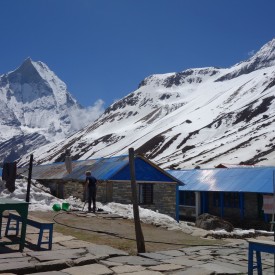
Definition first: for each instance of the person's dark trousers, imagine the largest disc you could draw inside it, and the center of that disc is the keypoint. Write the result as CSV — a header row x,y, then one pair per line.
x,y
92,198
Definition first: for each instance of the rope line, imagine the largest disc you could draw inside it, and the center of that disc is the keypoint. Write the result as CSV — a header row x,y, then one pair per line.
x,y
114,234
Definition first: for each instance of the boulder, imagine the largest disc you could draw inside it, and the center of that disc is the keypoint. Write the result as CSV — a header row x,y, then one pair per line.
x,y
210,222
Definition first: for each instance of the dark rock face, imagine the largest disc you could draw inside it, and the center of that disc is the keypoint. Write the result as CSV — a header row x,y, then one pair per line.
x,y
26,73
188,76
248,113
129,100
11,149
210,222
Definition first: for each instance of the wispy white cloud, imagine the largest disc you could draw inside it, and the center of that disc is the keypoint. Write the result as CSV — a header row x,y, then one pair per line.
x,y
252,52
81,118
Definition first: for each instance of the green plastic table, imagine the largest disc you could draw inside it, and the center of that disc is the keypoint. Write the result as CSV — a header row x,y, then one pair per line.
x,y
22,209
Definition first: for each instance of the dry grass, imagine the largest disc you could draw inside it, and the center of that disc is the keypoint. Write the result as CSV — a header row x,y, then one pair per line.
x,y
120,233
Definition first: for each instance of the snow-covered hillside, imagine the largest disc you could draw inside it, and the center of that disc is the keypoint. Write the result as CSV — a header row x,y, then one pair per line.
x,y
198,117
35,109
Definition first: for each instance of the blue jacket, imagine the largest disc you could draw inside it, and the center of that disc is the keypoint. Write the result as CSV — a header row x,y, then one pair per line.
x,y
92,181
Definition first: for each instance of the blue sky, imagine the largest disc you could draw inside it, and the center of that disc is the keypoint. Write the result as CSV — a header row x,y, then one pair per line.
x,y
102,49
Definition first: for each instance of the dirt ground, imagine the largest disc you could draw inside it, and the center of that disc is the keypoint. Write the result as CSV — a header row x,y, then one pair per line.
x,y
118,232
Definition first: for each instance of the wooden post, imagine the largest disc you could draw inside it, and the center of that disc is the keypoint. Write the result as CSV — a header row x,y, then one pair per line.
x,y
139,234
198,203
29,179
177,204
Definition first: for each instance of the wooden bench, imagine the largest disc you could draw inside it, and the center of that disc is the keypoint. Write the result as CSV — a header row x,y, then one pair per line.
x,y
41,225
258,246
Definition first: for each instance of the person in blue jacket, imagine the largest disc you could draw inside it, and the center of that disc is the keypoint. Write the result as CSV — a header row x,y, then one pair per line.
x,y
91,188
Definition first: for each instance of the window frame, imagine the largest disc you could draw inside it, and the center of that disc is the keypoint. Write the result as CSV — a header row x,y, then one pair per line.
x,y
230,199
146,193
187,198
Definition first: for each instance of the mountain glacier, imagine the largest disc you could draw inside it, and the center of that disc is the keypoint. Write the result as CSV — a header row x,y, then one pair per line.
x,y
197,117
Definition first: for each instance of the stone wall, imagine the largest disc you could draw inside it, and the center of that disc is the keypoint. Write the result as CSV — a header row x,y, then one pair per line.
x,y
122,192
63,190
56,187
101,192
75,189
164,196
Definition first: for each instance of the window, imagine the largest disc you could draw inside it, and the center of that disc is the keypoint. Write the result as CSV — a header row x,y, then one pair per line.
x,y
230,199
187,198
146,193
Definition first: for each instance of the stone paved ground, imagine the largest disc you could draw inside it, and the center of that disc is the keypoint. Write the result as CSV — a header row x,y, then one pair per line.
x,y
72,256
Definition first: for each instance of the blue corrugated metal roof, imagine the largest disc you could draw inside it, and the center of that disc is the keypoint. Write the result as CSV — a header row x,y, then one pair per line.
x,y
114,168
256,180
47,171
143,172
102,168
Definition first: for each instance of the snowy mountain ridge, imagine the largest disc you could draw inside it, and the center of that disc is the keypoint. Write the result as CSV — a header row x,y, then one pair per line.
x,y
198,117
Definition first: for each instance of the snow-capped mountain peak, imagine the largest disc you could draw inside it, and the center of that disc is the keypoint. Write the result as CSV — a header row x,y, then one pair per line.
x,y
35,104
263,58
266,55
25,73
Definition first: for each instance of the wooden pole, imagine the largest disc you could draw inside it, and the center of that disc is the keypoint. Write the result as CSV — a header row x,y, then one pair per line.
x,y
139,234
29,179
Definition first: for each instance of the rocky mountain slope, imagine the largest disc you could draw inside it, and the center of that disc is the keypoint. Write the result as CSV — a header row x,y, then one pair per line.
x,y
198,117
35,109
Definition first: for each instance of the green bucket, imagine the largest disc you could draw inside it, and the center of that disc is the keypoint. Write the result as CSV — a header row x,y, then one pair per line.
x,y
65,206
56,207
